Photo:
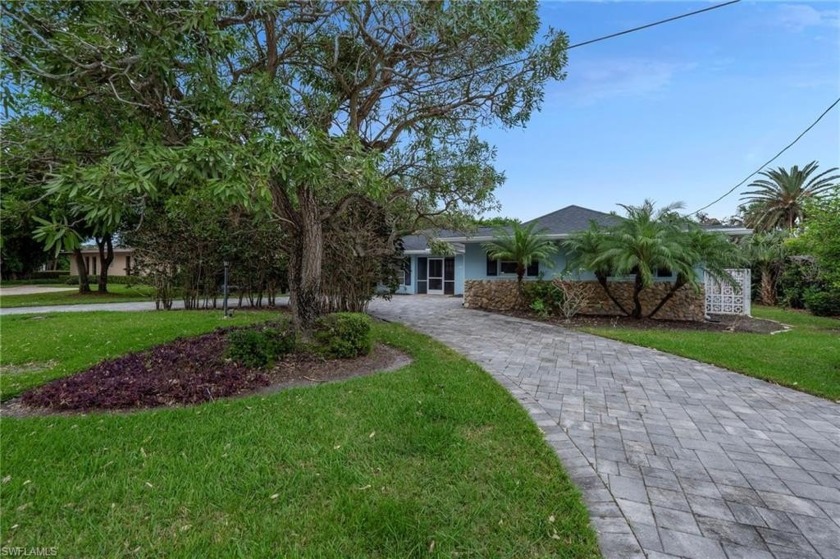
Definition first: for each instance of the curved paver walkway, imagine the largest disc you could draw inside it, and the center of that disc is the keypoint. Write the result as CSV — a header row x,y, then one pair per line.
x,y
675,458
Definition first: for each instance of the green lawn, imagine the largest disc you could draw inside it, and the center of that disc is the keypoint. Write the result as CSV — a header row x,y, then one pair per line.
x,y
806,358
38,348
117,293
433,460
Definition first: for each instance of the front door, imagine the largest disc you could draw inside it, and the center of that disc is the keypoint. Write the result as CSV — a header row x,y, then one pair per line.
x,y
435,276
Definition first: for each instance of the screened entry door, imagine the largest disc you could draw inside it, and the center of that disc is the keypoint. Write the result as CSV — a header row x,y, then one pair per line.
x,y
435,276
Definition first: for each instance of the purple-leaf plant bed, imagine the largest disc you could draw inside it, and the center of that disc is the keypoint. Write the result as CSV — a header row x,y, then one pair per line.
x,y
185,371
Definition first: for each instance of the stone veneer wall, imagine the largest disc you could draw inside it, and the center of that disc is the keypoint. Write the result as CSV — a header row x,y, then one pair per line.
x,y
503,295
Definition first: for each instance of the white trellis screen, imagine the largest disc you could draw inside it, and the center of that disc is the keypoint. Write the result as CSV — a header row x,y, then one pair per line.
x,y
723,298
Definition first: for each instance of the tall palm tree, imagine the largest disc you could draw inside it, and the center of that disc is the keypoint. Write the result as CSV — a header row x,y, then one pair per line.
x,y
778,199
521,244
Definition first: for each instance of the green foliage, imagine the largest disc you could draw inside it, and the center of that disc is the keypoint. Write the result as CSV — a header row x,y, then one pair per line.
x,y
287,472
523,245
543,297
648,240
260,346
820,236
779,200
823,303
344,335
799,275
119,280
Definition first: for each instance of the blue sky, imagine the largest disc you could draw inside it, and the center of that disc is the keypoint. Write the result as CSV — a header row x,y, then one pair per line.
x,y
679,112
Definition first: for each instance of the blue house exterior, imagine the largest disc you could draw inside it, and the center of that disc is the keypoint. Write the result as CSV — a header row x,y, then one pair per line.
x,y
432,274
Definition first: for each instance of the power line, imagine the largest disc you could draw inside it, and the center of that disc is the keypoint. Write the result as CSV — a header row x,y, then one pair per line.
x,y
771,160
570,47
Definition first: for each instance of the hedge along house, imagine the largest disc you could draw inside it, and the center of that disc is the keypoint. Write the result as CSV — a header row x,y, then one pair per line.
x,y
491,284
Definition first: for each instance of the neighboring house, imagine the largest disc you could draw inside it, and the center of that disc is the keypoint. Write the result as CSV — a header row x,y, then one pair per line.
x,y
123,264
469,270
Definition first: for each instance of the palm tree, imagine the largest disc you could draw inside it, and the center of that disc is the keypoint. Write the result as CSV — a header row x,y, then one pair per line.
x,y
584,252
778,199
648,240
767,252
645,241
521,244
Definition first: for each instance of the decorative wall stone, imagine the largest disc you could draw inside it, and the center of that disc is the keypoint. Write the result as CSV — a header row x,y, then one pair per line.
x,y
503,295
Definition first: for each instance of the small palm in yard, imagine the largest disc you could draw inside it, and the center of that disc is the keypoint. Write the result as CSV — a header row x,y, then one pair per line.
x,y
523,245
646,241
767,252
779,199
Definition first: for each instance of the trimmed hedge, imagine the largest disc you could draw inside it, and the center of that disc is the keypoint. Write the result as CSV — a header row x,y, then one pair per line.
x,y
121,280
344,335
823,303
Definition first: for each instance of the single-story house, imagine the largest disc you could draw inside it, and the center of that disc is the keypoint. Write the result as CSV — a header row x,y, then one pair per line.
x,y
470,273
122,265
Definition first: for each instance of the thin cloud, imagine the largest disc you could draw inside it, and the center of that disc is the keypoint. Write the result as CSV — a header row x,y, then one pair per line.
x,y
799,17
595,80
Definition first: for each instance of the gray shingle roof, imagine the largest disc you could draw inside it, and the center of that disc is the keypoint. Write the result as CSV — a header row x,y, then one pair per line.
x,y
572,219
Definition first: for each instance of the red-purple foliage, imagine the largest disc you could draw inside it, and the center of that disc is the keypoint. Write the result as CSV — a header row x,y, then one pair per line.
x,y
185,371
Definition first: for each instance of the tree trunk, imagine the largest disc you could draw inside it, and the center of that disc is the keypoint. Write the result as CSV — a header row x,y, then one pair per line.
x,y
106,257
768,287
676,287
637,302
84,282
602,280
305,264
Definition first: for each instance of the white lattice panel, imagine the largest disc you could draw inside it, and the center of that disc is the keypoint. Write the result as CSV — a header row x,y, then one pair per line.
x,y
724,298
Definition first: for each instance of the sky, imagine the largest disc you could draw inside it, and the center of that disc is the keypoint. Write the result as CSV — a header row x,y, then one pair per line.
x,y
680,112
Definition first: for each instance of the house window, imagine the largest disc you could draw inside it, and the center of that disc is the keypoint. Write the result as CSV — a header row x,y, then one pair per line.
x,y
664,273
492,267
533,270
128,265
508,266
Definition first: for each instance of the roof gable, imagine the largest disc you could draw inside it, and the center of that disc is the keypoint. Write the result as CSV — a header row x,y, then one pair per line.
x,y
572,219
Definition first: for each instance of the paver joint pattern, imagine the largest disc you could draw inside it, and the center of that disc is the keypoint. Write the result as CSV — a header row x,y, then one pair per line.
x,y
674,458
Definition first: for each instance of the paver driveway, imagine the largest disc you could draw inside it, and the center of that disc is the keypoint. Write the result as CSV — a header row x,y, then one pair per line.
x,y
674,457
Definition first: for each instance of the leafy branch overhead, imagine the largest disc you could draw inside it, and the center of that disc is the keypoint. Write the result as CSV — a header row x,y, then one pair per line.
x,y
303,109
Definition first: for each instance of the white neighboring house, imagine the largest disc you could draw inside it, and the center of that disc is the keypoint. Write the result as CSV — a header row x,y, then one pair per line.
x,y
123,264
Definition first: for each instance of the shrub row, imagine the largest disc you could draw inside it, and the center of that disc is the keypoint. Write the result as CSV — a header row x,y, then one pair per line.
x,y
823,303
339,335
122,280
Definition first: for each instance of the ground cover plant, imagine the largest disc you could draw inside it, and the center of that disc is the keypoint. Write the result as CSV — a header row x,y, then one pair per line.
x,y
807,357
39,348
117,293
434,460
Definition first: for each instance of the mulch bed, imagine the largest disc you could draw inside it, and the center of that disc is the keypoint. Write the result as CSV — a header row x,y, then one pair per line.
x,y
188,371
716,323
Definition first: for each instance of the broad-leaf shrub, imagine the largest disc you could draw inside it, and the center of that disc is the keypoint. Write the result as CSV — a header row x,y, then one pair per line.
x,y
344,335
260,346
542,297
823,303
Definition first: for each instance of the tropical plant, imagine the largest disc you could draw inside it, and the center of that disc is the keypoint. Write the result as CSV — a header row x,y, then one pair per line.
x,y
307,108
646,241
820,236
584,252
779,199
521,244
766,253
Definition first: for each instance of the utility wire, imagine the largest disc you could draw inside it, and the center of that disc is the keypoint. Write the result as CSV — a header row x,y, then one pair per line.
x,y
772,159
570,47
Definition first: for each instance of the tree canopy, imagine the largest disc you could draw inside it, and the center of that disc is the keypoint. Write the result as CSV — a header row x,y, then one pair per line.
x,y
305,107
779,199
